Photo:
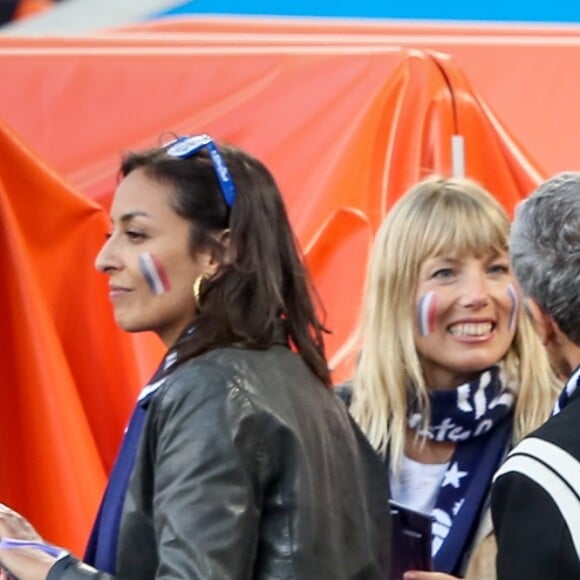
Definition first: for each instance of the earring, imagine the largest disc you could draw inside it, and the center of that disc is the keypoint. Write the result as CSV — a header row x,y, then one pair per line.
x,y
197,287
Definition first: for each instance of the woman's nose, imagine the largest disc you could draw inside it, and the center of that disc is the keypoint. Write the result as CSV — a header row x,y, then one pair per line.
x,y
474,291
107,260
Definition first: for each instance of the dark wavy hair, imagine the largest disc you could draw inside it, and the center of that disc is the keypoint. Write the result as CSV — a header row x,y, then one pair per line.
x,y
261,282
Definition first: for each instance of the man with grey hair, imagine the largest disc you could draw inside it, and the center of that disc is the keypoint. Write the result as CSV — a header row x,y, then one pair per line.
x,y
536,493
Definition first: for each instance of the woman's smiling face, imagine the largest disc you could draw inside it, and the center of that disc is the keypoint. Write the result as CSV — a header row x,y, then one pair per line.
x,y
466,312
149,261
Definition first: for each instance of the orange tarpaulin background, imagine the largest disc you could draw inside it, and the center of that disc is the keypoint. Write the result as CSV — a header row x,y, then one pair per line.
x,y
345,129
525,72
67,370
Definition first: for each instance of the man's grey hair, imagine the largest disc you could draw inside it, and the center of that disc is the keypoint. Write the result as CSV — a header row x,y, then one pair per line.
x,y
545,249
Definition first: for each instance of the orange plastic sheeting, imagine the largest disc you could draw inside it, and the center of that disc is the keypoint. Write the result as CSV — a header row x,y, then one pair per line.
x,y
263,102
503,68
341,245
492,155
69,374
522,71
278,77
503,64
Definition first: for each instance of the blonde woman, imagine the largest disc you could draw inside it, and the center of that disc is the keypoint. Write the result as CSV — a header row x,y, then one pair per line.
x,y
451,372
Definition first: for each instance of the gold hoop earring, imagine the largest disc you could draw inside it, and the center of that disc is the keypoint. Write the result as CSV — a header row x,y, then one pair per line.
x,y
197,287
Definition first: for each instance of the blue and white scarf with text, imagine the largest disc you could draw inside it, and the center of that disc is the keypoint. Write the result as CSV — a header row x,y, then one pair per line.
x,y
477,417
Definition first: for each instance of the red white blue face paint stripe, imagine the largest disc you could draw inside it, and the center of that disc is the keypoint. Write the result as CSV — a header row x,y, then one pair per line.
x,y
426,309
515,304
154,273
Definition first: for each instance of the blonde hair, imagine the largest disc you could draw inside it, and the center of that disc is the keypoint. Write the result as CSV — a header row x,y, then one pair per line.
x,y
436,217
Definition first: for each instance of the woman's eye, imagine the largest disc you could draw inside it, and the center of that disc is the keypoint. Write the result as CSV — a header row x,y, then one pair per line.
x,y
443,273
135,236
499,269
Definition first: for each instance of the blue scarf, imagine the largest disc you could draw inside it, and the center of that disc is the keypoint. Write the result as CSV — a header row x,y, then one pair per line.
x,y
477,416
101,550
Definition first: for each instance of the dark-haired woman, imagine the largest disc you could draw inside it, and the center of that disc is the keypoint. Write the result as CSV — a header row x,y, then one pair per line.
x,y
238,462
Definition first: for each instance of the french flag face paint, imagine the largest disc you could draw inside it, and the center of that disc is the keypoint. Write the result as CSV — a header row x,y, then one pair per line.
x,y
154,273
426,309
514,310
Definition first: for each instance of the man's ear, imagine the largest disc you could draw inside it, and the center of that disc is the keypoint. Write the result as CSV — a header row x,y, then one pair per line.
x,y
544,324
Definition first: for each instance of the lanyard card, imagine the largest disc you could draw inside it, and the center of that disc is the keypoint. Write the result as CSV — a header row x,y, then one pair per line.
x,y
410,541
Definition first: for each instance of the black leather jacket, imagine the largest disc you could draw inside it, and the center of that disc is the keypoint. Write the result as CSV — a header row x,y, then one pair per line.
x,y
249,468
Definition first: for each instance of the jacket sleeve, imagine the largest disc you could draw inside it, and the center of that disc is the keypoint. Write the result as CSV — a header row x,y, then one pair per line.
x,y
207,452
70,568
